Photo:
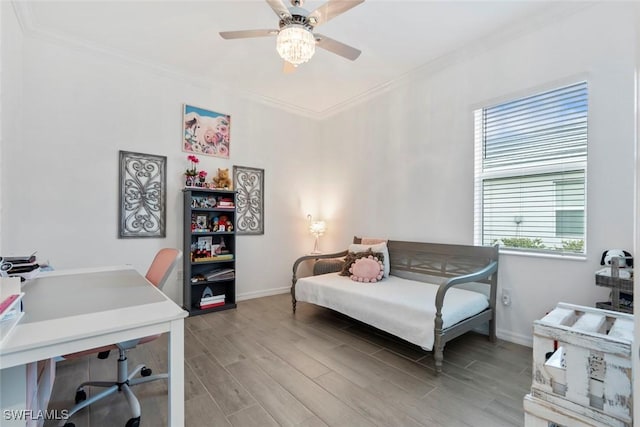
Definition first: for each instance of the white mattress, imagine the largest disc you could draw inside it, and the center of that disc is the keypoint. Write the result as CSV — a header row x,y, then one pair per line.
x,y
402,307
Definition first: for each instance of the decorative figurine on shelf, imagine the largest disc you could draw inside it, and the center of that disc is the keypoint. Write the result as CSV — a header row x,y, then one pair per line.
x,y
626,260
215,224
203,247
191,173
222,180
624,267
222,247
201,222
209,202
222,223
202,176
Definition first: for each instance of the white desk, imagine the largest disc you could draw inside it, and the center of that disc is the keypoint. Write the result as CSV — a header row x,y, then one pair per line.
x,y
75,310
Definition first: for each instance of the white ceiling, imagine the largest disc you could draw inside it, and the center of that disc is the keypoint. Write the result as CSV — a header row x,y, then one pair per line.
x,y
395,37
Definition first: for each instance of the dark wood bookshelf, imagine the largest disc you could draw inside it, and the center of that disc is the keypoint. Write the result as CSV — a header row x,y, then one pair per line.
x,y
193,291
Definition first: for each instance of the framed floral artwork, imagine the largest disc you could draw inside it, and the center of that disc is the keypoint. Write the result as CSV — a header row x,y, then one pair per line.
x,y
143,195
249,185
206,132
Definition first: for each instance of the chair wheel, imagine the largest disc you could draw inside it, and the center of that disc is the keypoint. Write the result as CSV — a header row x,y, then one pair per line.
x,y
145,372
133,422
81,396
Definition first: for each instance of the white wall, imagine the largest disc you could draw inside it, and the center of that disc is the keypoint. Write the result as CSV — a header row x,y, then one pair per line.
x,y
60,192
10,90
2,74
405,168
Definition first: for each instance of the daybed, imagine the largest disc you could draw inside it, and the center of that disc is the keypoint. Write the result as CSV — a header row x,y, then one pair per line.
x,y
421,301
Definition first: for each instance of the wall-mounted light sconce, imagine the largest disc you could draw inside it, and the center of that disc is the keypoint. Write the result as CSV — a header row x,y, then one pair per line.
x,y
317,228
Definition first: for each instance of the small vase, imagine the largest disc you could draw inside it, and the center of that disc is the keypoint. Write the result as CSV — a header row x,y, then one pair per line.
x,y
190,181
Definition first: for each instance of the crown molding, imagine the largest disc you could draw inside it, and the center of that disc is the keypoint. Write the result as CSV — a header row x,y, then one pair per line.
x,y
484,44
24,16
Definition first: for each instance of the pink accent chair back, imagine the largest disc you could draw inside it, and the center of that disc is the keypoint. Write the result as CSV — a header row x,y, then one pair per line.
x,y
162,266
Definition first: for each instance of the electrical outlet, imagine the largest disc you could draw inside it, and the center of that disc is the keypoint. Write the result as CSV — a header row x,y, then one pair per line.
x,y
506,297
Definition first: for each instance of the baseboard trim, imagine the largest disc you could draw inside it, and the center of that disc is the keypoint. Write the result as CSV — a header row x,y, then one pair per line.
x,y
265,293
526,340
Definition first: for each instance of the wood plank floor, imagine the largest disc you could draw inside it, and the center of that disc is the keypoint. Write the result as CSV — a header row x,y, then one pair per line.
x,y
259,365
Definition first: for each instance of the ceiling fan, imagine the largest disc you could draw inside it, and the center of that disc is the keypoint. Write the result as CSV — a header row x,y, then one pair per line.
x,y
296,40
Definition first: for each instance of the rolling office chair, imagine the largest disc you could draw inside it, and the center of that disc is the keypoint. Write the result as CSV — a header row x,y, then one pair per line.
x,y
159,271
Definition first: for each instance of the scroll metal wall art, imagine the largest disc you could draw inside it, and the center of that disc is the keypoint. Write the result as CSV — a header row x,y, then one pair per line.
x,y
143,195
249,186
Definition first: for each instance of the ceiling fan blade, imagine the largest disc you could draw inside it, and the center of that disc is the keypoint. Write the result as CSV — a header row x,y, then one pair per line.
x,y
331,9
245,34
288,67
337,47
279,8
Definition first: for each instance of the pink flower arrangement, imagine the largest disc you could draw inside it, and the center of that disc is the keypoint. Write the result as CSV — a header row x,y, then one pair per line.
x,y
202,175
191,170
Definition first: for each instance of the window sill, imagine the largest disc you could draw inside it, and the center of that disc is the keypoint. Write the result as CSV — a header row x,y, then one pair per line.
x,y
572,257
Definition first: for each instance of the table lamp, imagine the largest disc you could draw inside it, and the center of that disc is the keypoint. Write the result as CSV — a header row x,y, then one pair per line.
x,y
317,228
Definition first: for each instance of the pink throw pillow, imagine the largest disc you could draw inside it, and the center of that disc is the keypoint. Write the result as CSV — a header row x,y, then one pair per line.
x,y
368,270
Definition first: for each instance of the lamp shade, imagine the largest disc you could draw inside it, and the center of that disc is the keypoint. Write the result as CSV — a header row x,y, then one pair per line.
x,y
318,228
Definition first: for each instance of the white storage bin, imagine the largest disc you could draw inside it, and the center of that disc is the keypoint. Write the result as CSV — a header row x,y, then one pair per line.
x,y
581,368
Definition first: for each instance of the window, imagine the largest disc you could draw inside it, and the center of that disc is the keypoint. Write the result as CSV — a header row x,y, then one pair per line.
x,y
530,172
570,208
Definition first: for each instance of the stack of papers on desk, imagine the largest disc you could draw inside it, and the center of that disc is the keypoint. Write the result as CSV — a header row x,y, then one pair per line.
x,y
21,266
10,305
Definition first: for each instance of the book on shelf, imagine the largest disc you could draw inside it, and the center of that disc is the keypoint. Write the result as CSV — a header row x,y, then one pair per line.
x,y
210,300
8,323
8,303
198,278
221,257
12,310
212,305
225,203
219,274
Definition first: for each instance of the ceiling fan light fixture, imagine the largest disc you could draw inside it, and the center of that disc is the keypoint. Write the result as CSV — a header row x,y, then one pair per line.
x,y
295,44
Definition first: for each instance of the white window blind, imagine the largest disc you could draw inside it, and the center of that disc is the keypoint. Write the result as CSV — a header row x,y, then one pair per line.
x,y
531,158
